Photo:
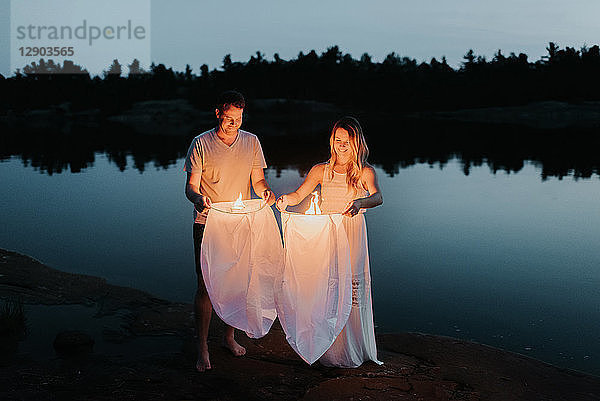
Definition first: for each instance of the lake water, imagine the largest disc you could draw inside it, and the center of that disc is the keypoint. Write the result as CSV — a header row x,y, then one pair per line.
x,y
508,260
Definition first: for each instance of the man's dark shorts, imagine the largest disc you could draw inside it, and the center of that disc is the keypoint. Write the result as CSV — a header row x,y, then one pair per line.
x,y
198,233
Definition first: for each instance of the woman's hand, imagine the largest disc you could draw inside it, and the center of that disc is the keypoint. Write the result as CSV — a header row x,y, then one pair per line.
x,y
353,208
282,202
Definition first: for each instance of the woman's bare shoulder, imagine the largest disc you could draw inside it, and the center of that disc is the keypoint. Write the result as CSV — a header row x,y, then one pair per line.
x,y
368,171
318,168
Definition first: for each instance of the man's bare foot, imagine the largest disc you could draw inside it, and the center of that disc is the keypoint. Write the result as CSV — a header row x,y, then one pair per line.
x,y
234,347
203,362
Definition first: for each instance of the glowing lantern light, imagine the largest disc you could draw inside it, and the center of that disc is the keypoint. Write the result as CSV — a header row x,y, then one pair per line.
x,y
314,204
238,204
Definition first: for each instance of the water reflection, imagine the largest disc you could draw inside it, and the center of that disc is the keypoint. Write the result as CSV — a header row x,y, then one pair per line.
x,y
53,152
558,153
395,144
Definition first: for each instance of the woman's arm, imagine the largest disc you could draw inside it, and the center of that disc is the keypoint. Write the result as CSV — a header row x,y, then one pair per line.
x,y
313,178
375,198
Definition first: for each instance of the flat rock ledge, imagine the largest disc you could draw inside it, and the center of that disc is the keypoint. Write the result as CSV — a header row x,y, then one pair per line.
x,y
416,366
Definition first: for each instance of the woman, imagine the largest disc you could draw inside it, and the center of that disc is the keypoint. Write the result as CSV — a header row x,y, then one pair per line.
x,y
348,185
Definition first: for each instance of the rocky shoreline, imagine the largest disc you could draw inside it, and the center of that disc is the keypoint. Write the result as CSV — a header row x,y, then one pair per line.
x,y
416,366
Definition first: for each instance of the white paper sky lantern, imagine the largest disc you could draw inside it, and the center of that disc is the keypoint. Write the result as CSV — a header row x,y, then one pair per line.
x,y
241,255
314,296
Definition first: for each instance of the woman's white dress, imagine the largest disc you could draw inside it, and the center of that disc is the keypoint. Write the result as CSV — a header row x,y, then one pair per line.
x,y
356,343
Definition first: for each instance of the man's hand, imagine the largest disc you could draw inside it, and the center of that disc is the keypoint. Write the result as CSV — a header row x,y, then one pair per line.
x,y
268,196
206,203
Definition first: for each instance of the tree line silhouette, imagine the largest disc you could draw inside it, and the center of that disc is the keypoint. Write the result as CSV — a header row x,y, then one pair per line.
x,y
396,83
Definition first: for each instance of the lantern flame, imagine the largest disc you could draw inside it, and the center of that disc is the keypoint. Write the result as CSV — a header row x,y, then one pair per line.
x,y
314,204
238,204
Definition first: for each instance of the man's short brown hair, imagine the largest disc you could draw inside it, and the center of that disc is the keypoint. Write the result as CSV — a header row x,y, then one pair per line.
x,y
230,98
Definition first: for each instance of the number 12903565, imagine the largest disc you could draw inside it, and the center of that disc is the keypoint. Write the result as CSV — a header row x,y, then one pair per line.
x,y
48,51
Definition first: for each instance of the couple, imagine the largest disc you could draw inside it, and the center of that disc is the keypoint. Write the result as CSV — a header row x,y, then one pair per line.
x,y
225,161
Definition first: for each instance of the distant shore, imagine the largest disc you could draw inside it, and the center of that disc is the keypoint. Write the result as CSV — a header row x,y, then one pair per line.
x,y
177,117
538,115
416,366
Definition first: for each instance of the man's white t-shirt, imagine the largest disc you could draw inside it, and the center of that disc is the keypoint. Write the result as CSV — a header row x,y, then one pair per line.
x,y
225,169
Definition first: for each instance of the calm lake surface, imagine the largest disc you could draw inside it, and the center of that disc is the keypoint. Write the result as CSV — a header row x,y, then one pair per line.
x,y
508,260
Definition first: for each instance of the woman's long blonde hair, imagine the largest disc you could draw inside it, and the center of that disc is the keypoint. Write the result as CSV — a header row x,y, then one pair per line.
x,y
359,149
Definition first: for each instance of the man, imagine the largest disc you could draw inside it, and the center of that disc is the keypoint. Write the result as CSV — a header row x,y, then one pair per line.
x,y
221,163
